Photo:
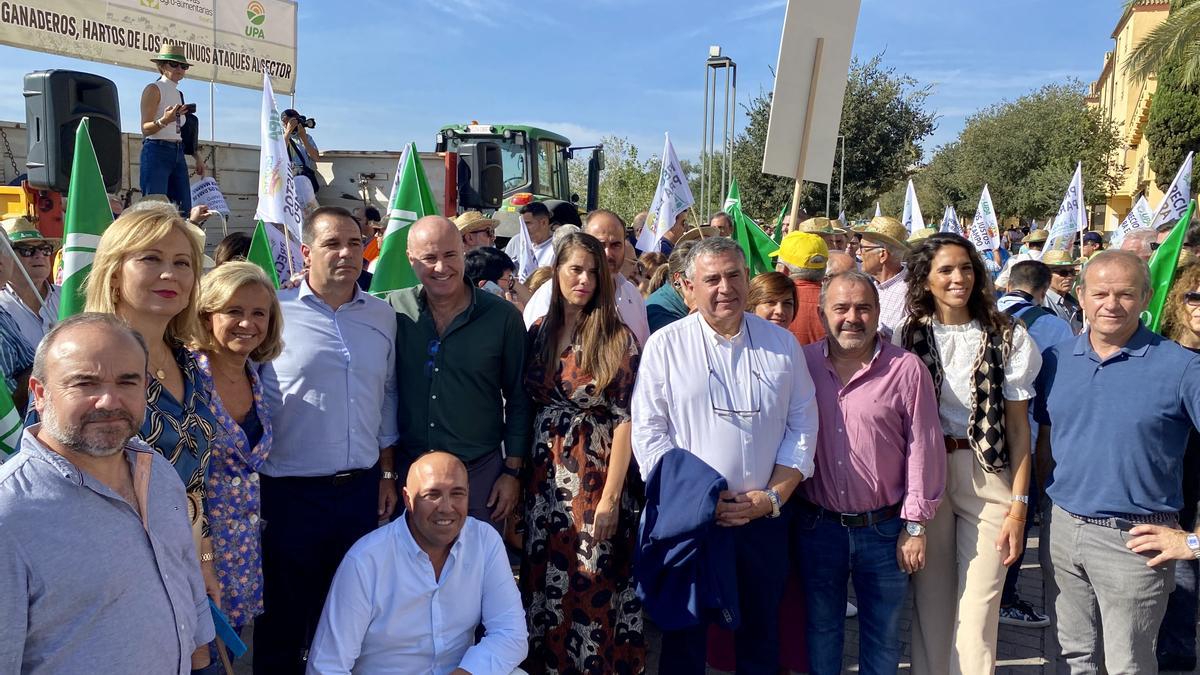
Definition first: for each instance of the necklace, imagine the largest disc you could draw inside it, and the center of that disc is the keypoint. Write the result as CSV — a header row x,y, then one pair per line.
x,y
159,371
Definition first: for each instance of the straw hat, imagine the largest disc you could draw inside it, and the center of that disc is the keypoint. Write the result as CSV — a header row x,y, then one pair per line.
x,y
921,235
886,230
818,225
173,53
1057,258
703,232
473,221
1036,236
20,229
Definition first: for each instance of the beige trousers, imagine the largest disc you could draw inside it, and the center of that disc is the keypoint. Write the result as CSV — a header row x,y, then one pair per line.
x,y
956,597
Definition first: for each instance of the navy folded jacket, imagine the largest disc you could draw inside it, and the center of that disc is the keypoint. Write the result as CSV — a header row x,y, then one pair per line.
x,y
684,564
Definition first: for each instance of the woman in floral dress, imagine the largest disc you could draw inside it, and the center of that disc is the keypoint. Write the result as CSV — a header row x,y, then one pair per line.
x,y
580,525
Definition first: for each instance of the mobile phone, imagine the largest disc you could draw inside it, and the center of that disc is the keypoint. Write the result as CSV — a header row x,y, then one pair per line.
x,y
189,107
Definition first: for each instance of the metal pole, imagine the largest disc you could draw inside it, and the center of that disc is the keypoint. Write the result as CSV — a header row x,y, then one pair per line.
x,y
725,137
212,111
704,136
712,141
732,120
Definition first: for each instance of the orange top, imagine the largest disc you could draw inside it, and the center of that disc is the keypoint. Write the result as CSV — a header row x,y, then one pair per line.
x,y
806,325
371,252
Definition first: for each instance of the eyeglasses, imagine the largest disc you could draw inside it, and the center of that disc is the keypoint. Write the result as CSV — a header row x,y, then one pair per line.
x,y
1192,298
27,251
175,64
435,346
506,282
1069,272
864,249
755,394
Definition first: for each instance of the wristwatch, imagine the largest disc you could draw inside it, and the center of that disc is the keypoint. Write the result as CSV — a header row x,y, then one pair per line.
x,y
1024,499
390,475
507,470
1193,543
774,497
914,529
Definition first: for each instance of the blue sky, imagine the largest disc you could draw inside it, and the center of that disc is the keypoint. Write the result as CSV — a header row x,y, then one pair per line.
x,y
392,71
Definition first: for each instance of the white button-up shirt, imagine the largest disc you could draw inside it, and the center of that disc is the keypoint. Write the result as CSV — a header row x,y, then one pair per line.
x,y
630,305
387,613
742,404
33,326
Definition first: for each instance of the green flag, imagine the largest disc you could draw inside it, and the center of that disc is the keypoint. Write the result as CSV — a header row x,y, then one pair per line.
x,y
10,425
260,253
755,243
411,199
1162,269
88,213
778,236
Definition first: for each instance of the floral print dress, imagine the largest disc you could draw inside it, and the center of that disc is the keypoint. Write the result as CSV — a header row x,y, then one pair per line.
x,y
238,450
579,594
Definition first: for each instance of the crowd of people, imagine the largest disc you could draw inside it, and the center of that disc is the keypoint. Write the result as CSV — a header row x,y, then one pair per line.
x,y
656,439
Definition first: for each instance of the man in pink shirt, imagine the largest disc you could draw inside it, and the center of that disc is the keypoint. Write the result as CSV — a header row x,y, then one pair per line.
x,y
880,473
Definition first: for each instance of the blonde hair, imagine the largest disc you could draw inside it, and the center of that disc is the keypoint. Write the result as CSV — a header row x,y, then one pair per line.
x,y
538,277
218,289
136,230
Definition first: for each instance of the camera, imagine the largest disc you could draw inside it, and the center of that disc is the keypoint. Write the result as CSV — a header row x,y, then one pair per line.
x,y
307,122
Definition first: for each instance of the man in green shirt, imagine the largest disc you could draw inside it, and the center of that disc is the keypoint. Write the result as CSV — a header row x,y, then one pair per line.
x,y
460,361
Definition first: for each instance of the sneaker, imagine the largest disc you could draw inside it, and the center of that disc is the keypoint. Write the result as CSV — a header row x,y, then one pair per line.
x,y
851,610
1023,614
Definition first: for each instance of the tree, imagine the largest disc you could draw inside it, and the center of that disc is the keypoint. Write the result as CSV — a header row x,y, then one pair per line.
x,y
1025,151
1174,125
1174,41
627,183
883,120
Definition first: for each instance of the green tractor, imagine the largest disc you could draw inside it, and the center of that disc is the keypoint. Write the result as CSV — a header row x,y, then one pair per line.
x,y
502,167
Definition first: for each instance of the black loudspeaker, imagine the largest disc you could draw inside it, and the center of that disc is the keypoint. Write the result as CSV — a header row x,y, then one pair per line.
x,y
485,175
55,102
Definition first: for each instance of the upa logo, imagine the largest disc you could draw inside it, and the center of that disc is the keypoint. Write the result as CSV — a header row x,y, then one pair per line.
x,y
257,16
152,4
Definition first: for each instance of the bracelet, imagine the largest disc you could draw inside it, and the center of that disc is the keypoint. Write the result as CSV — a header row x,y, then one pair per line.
x,y
1009,515
206,557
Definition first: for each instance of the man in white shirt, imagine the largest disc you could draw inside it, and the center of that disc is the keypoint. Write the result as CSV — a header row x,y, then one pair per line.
x,y
537,220
609,229
409,596
734,390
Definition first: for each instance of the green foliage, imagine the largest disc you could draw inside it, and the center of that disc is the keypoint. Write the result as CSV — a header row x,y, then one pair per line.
x,y
1025,151
883,120
1173,129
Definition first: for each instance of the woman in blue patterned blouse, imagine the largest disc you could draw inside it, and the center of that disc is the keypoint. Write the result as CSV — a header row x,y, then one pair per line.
x,y
241,326
147,271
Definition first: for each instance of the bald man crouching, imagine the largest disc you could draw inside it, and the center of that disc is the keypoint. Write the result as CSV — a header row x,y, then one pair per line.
x,y
409,596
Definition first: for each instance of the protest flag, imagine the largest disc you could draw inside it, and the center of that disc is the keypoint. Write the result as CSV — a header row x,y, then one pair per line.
x,y
1140,217
755,243
410,201
1070,222
525,258
277,200
10,425
985,229
671,197
1162,268
912,218
877,211
778,236
1175,199
950,222
88,214
260,253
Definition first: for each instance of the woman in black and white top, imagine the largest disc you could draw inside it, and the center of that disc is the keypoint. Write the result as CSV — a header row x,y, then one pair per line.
x,y
164,171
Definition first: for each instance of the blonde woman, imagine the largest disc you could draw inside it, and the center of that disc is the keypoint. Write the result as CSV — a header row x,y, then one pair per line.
x,y
147,271
241,325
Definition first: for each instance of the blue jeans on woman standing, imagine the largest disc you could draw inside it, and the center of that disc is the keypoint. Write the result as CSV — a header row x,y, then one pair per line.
x,y
165,172
829,554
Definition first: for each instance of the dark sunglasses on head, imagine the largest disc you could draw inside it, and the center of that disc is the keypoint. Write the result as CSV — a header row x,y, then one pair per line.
x,y
175,64
1192,298
27,251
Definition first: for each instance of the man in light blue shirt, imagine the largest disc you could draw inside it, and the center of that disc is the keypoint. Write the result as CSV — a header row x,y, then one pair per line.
x,y
329,477
409,596
98,569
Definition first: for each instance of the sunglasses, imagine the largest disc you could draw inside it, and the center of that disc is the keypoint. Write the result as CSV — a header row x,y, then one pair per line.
x,y
1064,272
173,64
1192,298
28,251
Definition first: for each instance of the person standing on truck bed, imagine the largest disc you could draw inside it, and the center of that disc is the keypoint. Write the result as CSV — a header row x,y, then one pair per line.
x,y
164,171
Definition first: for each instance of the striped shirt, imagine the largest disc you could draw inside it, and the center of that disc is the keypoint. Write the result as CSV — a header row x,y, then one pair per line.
x,y
16,355
893,306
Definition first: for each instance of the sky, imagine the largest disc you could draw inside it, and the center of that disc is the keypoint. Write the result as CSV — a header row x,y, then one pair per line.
x,y
392,71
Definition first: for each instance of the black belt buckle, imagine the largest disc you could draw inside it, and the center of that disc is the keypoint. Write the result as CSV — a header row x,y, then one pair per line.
x,y
850,519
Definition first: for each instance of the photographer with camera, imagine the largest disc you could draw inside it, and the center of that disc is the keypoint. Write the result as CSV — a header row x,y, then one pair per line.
x,y
303,153
164,170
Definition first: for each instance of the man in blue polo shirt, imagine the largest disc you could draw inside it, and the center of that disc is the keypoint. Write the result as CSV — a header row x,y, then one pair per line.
x,y
1116,405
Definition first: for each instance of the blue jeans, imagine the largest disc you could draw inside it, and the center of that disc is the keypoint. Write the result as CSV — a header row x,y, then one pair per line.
x,y
829,554
164,171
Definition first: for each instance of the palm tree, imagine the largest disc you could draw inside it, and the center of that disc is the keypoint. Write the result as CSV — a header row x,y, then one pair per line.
x,y
1175,40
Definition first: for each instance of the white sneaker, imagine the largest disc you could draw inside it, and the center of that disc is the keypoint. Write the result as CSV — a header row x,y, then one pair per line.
x,y
851,610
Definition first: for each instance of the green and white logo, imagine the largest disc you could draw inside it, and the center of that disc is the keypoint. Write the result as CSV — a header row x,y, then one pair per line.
x,y
257,16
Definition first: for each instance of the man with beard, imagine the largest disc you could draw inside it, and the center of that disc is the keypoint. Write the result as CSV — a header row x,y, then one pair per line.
x,y
98,568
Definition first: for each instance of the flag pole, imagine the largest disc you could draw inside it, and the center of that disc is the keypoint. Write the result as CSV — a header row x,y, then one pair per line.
x,y
8,250
806,129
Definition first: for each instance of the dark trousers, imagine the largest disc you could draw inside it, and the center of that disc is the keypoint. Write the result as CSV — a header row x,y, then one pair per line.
x,y
1177,634
762,568
310,524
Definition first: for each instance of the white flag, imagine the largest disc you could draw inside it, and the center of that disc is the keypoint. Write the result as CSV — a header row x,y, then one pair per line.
x,y
525,258
281,255
877,211
1070,221
277,202
1175,200
672,197
950,221
912,218
1139,218
985,229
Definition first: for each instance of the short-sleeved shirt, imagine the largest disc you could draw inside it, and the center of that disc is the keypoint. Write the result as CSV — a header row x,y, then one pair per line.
x,y
16,355
84,587
1119,426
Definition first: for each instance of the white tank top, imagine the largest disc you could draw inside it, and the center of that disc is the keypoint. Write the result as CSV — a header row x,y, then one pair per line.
x,y
168,95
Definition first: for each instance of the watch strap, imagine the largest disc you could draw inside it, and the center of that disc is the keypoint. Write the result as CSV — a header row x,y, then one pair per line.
x,y
776,505
506,470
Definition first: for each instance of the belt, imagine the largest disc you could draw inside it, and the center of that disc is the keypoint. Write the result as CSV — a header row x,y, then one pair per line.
x,y
854,519
161,140
953,443
336,480
1126,521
